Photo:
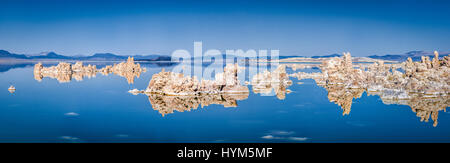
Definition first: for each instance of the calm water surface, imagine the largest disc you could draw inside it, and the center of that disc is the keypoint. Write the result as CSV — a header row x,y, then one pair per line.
x,y
100,109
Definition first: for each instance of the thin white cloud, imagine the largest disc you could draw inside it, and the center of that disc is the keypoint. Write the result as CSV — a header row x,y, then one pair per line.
x,y
271,137
282,132
283,135
72,114
71,139
298,138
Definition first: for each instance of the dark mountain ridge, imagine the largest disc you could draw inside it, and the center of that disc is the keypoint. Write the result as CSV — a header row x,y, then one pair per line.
x,y
415,56
96,57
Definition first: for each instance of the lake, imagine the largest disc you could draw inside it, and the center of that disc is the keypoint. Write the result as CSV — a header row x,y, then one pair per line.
x,y
100,109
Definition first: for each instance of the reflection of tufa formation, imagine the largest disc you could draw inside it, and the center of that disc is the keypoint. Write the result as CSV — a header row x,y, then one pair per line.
x,y
424,86
276,80
64,72
424,107
128,70
167,104
343,97
169,91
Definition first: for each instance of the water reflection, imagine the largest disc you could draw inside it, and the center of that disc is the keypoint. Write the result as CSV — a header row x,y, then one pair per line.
x,y
424,86
423,106
277,80
343,97
168,104
12,89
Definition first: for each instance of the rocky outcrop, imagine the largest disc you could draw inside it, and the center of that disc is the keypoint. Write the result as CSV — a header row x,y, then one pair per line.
x,y
78,67
343,96
106,70
341,71
170,83
64,72
128,70
427,80
277,80
429,77
169,91
446,61
423,106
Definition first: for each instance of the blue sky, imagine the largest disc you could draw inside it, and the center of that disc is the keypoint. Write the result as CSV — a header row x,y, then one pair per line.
x,y
294,27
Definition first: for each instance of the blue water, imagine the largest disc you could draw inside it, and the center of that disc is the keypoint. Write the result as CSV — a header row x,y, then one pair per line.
x,y
100,109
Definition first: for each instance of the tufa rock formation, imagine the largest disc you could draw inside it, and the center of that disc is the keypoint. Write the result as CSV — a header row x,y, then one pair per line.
x,y
12,89
169,91
127,69
170,83
64,72
424,107
277,80
424,85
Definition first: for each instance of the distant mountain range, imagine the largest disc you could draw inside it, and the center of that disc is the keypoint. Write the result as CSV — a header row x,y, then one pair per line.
x,y
415,55
327,56
96,57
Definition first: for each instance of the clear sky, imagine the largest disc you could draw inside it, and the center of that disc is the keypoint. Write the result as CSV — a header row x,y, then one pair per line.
x,y
294,27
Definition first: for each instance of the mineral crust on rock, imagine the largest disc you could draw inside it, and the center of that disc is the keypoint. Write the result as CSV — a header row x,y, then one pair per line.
x,y
170,83
277,80
128,70
64,72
